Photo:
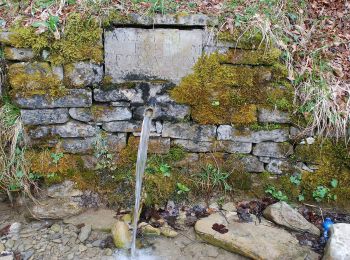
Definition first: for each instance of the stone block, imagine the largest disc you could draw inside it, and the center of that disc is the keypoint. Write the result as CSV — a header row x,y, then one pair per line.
x,y
227,132
279,166
102,113
5,37
252,164
189,160
189,131
125,126
81,114
120,104
74,129
234,147
71,98
45,116
83,74
165,111
158,145
116,142
274,150
170,55
133,95
78,145
18,54
273,116
194,146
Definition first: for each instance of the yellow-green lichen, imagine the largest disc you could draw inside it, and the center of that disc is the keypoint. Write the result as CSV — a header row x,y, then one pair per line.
x,y
243,40
223,94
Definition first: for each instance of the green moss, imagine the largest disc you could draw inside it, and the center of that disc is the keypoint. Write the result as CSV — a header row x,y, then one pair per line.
x,y
81,40
115,17
281,97
251,57
247,40
266,126
34,78
224,94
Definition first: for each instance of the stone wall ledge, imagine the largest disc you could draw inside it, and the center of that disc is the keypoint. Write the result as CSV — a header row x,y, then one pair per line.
x,y
71,98
189,131
45,116
178,20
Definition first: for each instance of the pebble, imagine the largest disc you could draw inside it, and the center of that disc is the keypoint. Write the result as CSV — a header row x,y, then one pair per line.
x,y
70,256
82,248
10,243
96,243
108,252
2,247
55,228
84,233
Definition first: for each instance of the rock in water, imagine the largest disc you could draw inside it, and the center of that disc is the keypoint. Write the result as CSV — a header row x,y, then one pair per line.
x,y
256,241
148,230
338,246
55,209
168,231
121,234
283,214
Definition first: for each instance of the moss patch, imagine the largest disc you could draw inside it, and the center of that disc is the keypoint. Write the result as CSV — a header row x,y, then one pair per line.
x,y
81,40
224,94
33,78
252,57
253,40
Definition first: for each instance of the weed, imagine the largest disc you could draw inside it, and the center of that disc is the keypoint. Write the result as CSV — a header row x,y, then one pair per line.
x,y
56,157
277,194
181,188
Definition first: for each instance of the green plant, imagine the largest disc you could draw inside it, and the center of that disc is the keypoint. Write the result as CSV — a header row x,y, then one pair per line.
x,y
165,169
51,23
277,194
212,178
56,157
295,179
320,193
181,188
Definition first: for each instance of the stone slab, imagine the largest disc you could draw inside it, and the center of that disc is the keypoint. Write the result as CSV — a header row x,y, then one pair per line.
x,y
18,54
170,55
274,150
45,116
194,146
189,131
72,98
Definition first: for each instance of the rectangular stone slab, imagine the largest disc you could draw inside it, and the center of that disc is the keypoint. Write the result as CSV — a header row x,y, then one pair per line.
x,y
138,54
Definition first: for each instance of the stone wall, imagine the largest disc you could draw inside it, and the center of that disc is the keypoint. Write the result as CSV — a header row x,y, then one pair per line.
x,y
106,101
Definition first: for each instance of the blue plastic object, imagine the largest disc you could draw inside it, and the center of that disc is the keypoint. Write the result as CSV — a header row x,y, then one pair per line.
x,y
326,226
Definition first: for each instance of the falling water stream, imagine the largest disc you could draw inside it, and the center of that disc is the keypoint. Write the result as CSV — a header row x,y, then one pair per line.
x,y
140,169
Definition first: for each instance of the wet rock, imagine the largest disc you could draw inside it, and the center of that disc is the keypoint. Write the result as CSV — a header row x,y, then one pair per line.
x,y
279,166
82,74
2,247
7,256
55,209
273,116
337,247
71,98
65,189
189,131
45,116
252,164
165,111
283,214
148,230
18,54
121,234
84,233
81,114
256,241
274,150
101,219
168,231
227,132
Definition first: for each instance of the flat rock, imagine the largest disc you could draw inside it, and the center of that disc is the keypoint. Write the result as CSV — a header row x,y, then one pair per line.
x,y
18,54
274,150
121,234
100,219
170,55
44,116
194,146
257,241
65,189
234,147
75,129
252,164
82,74
189,131
81,145
273,116
283,214
133,95
278,166
338,244
227,132
56,208
166,111
71,98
